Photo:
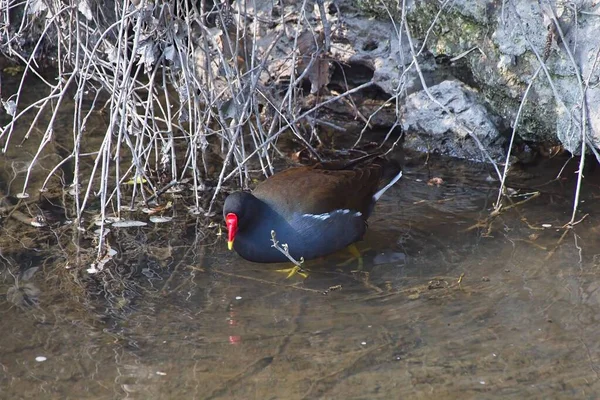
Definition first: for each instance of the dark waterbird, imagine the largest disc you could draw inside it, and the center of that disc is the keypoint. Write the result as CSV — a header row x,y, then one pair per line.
x,y
315,210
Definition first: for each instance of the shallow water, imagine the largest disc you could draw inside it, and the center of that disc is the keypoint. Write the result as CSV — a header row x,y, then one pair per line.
x,y
521,323
446,305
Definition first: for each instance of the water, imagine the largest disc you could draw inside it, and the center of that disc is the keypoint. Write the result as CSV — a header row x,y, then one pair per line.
x,y
449,304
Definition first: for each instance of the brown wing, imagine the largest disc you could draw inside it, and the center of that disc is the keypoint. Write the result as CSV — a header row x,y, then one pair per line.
x,y
318,189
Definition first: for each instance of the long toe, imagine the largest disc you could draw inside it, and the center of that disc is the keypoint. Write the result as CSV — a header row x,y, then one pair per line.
x,y
295,270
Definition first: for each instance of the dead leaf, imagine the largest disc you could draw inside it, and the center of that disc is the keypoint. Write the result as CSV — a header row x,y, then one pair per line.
x,y
311,56
307,43
435,181
319,74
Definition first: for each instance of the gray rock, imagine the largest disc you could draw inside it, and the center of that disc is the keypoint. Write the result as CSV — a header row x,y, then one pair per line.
x,y
507,64
429,128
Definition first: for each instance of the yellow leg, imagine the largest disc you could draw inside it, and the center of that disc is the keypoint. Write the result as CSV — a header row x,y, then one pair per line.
x,y
356,253
293,271
353,249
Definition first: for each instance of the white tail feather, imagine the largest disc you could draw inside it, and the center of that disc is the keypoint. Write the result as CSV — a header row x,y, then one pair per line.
x,y
377,195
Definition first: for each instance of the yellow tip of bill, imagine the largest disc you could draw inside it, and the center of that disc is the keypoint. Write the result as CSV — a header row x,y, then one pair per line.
x,y
230,245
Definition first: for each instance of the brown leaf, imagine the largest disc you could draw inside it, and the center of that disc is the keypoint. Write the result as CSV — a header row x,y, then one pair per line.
x,y
319,74
307,43
310,46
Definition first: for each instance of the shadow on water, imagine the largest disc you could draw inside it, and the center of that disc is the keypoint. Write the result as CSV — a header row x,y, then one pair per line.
x,y
445,305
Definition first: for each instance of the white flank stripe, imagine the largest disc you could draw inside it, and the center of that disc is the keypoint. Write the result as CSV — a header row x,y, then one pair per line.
x,y
325,216
377,195
322,217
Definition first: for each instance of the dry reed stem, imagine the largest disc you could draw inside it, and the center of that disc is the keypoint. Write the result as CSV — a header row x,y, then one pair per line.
x,y
139,62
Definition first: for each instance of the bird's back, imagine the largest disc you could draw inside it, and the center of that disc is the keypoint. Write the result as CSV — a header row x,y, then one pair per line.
x,y
321,188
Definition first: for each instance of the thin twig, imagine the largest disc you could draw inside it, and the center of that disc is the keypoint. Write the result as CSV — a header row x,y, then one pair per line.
x,y
285,251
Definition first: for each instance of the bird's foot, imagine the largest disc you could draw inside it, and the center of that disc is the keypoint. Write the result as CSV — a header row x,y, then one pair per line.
x,y
353,249
293,271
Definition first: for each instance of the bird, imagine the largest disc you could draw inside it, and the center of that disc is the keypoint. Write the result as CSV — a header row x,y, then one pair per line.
x,y
314,210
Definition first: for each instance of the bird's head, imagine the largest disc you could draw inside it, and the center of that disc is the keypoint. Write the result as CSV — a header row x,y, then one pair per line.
x,y
238,210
